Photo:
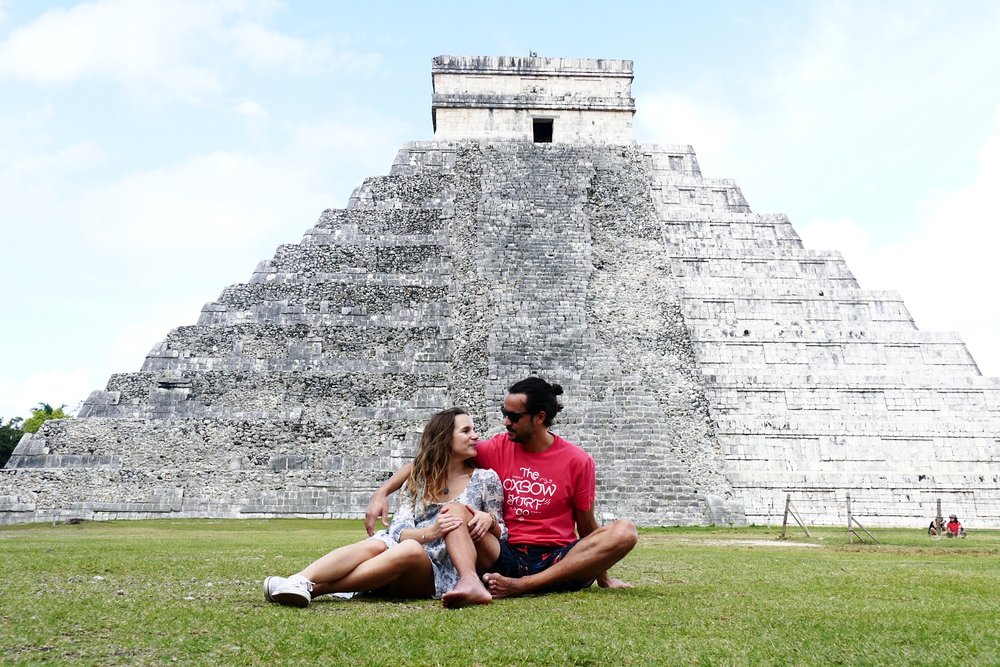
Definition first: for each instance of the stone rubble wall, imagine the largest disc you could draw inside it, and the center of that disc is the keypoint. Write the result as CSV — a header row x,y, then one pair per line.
x,y
295,394
466,268
711,363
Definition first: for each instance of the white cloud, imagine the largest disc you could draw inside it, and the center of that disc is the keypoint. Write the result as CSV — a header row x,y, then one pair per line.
x,y
251,109
176,49
255,117
190,212
850,239
266,48
34,186
55,387
949,264
135,337
879,82
946,267
22,130
128,41
366,142
33,166
677,119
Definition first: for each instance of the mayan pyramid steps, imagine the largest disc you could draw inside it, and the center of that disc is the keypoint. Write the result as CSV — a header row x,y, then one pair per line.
x,y
712,364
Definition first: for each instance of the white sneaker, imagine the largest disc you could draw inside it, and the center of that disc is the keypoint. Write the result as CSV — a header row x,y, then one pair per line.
x,y
272,584
295,591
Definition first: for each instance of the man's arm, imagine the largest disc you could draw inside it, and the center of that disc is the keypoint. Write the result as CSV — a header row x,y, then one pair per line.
x,y
586,523
378,506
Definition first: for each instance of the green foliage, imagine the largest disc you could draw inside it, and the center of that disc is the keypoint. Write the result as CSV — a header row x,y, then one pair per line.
x,y
42,414
189,592
10,435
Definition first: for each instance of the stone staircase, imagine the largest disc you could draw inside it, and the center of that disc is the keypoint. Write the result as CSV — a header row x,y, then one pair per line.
x,y
820,388
466,268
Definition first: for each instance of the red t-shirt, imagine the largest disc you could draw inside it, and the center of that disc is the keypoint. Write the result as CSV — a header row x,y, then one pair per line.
x,y
541,490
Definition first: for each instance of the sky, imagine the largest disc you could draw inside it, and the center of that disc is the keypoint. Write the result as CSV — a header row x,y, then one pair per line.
x,y
153,152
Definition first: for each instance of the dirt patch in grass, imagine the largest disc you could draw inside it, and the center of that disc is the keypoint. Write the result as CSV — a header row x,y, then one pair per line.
x,y
725,542
760,543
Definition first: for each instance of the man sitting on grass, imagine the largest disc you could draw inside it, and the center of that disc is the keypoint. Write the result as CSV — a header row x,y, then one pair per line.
x,y
555,543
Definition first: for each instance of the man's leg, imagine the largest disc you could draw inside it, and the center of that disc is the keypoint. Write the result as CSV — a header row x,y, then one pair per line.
x,y
462,551
588,559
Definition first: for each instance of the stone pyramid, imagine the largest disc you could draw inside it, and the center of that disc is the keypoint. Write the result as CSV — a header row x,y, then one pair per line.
x,y
712,365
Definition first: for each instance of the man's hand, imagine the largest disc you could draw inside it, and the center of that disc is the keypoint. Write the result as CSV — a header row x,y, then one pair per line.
x,y
479,525
378,508
604,581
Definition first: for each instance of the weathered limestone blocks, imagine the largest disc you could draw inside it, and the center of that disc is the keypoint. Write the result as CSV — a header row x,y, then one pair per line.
x,y
267,347
578,212
399,191
264,394
821,389
357,225
319,262
794,306
661,159
573,100
712,364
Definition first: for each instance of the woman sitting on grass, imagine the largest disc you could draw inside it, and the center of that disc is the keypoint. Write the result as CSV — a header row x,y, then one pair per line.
x,y
449,522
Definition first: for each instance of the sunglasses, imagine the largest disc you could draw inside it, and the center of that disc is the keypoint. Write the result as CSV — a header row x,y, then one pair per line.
x,y
511,415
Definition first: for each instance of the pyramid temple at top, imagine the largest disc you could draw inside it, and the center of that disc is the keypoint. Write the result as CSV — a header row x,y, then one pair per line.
x,y
711,364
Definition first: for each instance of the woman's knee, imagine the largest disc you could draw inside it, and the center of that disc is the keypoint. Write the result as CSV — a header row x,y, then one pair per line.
x,y
410,551
375,547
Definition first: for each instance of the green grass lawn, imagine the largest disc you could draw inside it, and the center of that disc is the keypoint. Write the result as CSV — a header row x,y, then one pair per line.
x,y
189,592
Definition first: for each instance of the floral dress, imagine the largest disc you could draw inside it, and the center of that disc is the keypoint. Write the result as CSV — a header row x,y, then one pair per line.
x,y
483,492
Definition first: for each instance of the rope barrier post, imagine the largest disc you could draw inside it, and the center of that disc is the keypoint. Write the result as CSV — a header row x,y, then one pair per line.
x,y
850,531
938,520
784,521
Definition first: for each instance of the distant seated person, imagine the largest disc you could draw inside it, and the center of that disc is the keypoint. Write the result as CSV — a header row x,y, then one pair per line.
x,y
932,529
953,528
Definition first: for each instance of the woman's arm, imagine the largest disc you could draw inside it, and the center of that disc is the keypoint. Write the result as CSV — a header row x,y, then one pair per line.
x,y
444,523
422,535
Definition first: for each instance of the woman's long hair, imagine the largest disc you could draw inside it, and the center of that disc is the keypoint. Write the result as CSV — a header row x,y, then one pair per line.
x,y
429,476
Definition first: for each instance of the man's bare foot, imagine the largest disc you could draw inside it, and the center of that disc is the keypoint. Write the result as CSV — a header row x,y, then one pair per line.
x,y
500,586
466,592
611,582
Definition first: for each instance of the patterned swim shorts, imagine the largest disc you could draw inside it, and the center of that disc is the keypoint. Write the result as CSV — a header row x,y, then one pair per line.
x,y
520,560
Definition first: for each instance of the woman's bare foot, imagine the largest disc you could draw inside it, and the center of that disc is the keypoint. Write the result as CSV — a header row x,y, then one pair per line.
x,y
466,592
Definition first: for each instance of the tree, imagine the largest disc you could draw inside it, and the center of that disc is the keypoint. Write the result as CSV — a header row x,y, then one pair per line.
x,y
10,435
42,414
